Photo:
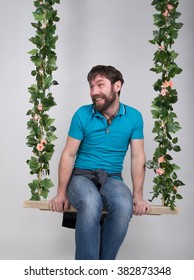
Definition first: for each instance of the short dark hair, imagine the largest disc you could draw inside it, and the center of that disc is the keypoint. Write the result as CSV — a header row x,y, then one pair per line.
x,y
109,72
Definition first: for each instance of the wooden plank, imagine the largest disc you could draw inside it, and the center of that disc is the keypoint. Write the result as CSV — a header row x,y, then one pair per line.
x,y
162,210
154,209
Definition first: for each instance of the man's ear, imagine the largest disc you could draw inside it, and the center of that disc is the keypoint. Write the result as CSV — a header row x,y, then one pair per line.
x,y
117,86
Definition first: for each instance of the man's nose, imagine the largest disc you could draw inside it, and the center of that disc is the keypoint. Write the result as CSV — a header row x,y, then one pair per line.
x,y
94,90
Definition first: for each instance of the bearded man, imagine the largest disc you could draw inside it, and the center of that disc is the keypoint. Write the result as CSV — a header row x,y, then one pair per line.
x,y
90,168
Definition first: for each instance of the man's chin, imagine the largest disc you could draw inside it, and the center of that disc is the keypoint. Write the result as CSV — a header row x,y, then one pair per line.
x,y
99,107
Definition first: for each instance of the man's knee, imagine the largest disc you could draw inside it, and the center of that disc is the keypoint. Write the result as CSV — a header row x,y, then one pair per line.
x,y
91,203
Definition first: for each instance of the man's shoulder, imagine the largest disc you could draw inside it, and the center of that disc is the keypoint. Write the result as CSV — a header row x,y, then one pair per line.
x,y
85,110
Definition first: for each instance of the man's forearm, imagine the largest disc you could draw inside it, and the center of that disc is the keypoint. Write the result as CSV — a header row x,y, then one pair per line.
x,y
138,175
64,173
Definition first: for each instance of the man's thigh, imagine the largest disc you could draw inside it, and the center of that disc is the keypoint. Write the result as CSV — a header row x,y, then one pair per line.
x,y
80,189
115,190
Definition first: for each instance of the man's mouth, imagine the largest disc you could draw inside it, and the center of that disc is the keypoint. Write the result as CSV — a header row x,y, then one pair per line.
x,y
98,99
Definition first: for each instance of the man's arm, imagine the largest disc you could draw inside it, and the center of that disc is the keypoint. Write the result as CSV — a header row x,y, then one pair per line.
x,y
60,202
138,159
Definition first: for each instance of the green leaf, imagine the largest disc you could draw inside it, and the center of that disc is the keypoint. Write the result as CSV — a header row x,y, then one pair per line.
x,y
175,140
55,83
39,15
177,148
46,184
178,25
168,157
34,185
33,51
173,55
149,164
47,155
175,167
174,176
35,197
159,20
173,127
178,196
155,114
34,165
178,183
33,73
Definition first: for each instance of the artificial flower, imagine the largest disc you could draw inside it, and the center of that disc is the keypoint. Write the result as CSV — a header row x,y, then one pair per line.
x,y
163,91
167,84
161,159
170,7
40,107
160,171
40,147
43,141
165,13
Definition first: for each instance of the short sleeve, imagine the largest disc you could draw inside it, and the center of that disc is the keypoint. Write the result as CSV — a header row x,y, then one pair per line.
x,y
138,127
76,126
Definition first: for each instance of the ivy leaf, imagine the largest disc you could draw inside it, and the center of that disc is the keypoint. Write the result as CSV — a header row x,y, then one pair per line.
x,y
33,51
39,14
168,157
178,183
177,148
175,167
178,196
175,140
155,114
55,83
173,127
34,164
178,25
149,164
159,20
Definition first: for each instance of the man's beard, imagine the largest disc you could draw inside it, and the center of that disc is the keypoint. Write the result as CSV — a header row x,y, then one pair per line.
x,y
108,101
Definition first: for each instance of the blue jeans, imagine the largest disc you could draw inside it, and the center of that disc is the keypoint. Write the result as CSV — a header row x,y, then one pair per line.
x,y
93,241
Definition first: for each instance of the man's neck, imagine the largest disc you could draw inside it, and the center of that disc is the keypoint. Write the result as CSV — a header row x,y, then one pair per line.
x,y
111,111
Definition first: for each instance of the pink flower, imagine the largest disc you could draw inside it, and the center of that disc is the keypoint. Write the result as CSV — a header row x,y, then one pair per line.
x,y
43,141
40,147
41,71
39,107
163,125
161,159
170,7
163,92
167,84
175,188
43,25
36,117
161,47
165,13
160,171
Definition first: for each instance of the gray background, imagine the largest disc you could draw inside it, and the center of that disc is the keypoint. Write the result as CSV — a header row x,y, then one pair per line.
x,y
114,32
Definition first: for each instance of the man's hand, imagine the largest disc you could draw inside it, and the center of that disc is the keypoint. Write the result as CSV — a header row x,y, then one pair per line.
x,y
59,203
140,207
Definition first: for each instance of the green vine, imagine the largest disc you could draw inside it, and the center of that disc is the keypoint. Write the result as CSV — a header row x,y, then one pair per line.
x,y
166,182
40,125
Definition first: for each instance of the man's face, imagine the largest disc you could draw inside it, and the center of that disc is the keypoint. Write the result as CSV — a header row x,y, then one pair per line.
x,y
102,93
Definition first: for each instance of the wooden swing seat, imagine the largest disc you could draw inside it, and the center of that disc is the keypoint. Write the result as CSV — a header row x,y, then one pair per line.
x,y
45,205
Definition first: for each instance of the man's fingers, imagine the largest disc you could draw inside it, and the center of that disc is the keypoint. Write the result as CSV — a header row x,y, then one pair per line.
x,y
141,208
56,205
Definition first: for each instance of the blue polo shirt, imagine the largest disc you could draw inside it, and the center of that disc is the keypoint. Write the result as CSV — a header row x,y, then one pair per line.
x,y
104,146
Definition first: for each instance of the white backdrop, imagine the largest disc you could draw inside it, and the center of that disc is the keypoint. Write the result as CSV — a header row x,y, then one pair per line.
x,y
114,32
